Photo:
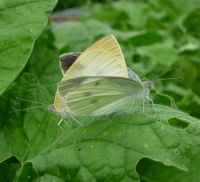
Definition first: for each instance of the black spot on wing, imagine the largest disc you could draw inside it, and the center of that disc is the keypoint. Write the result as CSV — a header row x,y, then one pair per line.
x,y
96,83
94,101
86,94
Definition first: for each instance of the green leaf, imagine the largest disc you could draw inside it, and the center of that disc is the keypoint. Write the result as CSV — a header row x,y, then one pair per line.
x,y
161,53
175,8
108,149
188,100
107,13
146,38
21,23
47,70
138,13
192,22
88,31
119,147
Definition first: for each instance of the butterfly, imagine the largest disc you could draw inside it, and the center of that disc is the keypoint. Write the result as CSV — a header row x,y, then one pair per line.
x,y
102,58
103,62
101,95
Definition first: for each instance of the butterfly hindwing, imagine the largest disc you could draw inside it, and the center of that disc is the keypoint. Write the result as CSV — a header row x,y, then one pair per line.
x,y
97,95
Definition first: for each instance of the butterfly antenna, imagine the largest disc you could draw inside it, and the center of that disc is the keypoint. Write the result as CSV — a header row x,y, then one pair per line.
x,y
169,70
25,109
31,101
158,79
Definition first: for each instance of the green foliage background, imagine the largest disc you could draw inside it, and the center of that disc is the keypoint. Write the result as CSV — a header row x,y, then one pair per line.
x,y
154,35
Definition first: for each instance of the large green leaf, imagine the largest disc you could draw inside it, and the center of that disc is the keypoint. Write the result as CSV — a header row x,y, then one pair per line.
x,y
108,148
21,23
120,147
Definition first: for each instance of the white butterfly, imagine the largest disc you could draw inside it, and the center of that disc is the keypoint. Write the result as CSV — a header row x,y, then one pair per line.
x,y
103,58
100,95
104,62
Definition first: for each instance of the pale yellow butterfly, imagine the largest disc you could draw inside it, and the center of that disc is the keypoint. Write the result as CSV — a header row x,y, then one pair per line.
x,y
103,58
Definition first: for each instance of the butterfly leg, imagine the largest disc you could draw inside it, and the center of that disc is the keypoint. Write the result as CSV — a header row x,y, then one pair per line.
x,y
60,122
148,98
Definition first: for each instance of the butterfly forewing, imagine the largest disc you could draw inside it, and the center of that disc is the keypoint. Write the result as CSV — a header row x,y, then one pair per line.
x,y
103,58
98,95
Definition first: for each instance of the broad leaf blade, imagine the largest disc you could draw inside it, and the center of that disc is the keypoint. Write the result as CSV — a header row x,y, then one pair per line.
x,y
108,149
21,23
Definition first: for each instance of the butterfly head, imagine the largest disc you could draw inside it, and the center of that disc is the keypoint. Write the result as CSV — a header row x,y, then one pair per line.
x,y
50,108
148,85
